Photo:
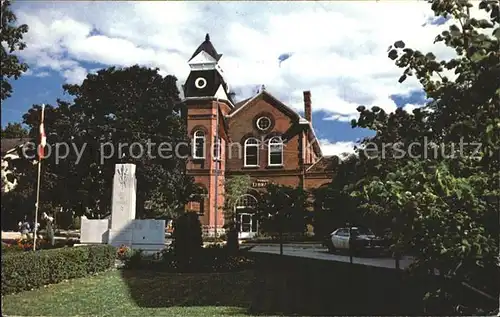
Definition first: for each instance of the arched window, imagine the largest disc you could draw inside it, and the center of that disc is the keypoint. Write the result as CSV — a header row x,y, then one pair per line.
x,y
251,157
275,151
246,201
199,145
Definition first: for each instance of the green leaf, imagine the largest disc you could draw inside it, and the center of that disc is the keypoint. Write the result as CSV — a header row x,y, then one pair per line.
x,y
393,54
496,33
399,44
430,56
402,78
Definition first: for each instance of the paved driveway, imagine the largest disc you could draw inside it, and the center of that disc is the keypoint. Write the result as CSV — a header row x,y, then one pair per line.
x,y
318,252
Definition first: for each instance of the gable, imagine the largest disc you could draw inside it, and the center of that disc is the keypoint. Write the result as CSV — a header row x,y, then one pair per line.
x,y
268,98
260,103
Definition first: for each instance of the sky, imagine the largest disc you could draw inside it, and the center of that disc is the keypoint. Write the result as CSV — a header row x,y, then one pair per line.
x,y
338,51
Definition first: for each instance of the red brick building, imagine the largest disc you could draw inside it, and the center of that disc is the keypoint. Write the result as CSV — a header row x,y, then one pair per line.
x,y
260,136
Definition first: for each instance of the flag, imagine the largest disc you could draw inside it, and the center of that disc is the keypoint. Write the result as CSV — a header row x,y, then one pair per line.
x,y
43,138
283,57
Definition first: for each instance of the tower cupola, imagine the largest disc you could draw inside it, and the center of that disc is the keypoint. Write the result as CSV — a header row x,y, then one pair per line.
x,y
206,78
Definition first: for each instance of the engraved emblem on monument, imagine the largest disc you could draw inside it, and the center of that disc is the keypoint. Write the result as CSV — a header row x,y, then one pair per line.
x,y
123,175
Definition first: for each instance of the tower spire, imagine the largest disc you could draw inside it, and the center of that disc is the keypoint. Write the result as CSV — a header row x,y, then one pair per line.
x,y
208,47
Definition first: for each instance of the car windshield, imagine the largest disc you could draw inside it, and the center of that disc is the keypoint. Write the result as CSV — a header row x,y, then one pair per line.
x,y
361,231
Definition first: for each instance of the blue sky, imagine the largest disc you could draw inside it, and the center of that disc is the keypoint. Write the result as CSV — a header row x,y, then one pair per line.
x,y
338,51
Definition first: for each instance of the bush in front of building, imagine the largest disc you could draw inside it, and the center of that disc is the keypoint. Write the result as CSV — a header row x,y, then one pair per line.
x,y
210,259
187,235
22,271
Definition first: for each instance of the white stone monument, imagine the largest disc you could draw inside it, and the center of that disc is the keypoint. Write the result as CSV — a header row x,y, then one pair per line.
x,y
123,205
123,228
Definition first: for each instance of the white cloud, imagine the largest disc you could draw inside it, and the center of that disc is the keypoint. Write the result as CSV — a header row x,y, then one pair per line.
x,y
42,74
410,107
339,49
336,148
75,75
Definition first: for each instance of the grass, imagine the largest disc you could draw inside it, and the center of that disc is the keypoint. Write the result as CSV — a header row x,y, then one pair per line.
x,y
134,293
274,286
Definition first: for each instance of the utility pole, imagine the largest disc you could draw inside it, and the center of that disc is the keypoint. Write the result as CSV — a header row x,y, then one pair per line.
x,y
216,160
350,243
281,220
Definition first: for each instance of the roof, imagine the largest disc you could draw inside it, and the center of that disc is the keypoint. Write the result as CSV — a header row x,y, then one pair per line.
x,y
9,144
208,48
240,104
324,164
265,94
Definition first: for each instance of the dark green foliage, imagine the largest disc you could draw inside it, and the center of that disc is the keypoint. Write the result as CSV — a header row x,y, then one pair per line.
x,y
12,41
113,109
187,236
134,260
440,198
283,208
214,258
14,130
23,271
232,239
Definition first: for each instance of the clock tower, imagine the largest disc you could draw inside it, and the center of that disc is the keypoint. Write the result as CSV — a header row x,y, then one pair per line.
x,y
207,102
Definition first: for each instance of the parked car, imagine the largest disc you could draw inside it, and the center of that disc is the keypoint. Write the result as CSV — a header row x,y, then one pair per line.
x,y
358,239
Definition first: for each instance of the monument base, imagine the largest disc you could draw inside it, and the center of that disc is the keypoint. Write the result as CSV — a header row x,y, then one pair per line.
x,y
118,238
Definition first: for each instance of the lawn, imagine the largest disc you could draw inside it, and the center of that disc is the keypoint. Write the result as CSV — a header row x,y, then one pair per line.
x,y
133,293
274,286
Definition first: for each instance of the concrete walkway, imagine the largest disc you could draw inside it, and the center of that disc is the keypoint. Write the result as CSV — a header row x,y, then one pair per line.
x,y
321,253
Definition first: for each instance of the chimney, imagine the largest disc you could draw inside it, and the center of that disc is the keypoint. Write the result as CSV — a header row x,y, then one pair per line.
x,y
307,106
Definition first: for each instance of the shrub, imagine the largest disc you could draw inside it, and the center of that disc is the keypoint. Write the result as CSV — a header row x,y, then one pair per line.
x,y
187,236
41,244
135,260
23,271
213,258
123,253
232,239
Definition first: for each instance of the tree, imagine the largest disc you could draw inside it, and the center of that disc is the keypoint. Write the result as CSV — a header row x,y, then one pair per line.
x,y
283,209
14,130
187,236
235,187
442,200
115,114
12,40
333,206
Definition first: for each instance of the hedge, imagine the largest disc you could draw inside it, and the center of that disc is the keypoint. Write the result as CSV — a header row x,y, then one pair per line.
x,y
23,271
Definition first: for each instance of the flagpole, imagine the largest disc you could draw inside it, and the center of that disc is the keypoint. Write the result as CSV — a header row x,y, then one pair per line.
x,y
36,204
40,156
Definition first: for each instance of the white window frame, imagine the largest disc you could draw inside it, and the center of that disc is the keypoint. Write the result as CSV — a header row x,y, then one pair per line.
x,y
200,83
257,145
196,136
263,118
240,205
269,145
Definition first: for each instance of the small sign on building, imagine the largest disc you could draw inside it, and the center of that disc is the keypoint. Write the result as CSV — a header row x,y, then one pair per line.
x,y
260,183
